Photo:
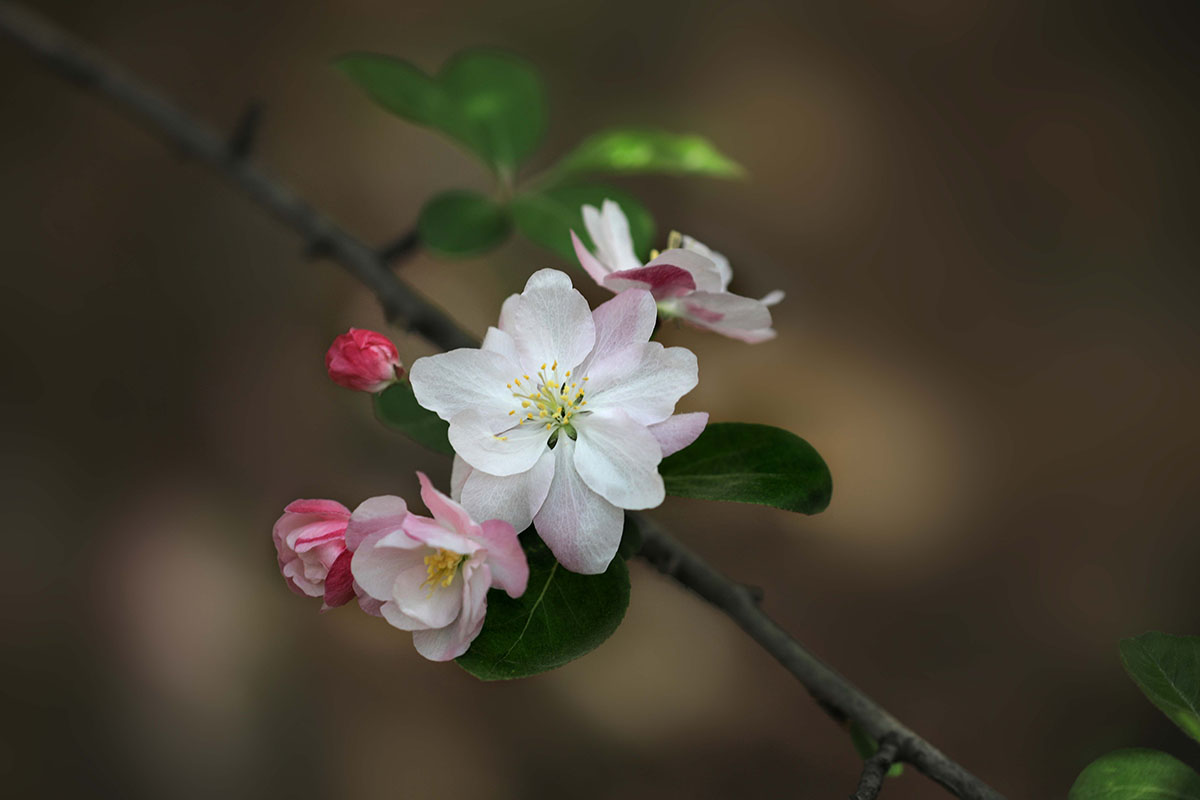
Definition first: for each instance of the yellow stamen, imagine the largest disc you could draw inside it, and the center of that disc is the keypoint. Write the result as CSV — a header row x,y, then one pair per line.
x,y
440,568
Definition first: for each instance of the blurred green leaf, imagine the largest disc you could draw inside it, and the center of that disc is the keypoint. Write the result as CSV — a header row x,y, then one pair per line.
x,y
1136,775
462,223
866,747
397,408
492,102
1167,668
561,616
744,463
548,217
634,150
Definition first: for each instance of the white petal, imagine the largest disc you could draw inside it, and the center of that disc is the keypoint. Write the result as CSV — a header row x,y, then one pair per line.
x,y
609,230
448,383
515,498
725,313
580,527
591,265
618,459
497,341
375,568
549,324
477,439
459,473
678,431
773,298
432,606
375,515
451,641
721,262
398,619
625,320
548,279
648,392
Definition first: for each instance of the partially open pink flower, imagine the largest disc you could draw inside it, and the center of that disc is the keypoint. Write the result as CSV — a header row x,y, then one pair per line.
x,y
310,540
688,281
432,575
365,361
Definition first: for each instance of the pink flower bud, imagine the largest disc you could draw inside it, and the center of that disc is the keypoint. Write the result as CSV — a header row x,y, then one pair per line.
x,y
310,539
365,361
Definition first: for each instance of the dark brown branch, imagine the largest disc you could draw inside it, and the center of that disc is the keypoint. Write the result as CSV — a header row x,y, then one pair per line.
x,y
74,61
401,248
875,771
245,134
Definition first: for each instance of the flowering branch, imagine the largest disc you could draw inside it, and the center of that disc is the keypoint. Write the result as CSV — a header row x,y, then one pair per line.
x,y
403,306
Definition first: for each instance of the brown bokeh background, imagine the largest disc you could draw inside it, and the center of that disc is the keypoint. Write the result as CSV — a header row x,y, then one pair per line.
x,y
983,215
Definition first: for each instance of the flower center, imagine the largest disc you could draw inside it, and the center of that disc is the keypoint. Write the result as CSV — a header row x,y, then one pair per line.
x,y
441,567
548,399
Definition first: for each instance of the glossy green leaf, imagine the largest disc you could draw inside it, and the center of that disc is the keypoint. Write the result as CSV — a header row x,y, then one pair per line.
x,y
463,223
397,408
633,150
1167,668
744,463
548,217
1136,775
561,617
491,102
866,747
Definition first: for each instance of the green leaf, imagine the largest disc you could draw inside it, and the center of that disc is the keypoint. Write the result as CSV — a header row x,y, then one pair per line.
x,y
463,223
866,747
397,408
548,217
633,150
492,102
561,617
1136,775
1167,668
744,463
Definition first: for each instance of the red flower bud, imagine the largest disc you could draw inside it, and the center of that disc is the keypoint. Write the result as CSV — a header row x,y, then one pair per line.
x,y
365,361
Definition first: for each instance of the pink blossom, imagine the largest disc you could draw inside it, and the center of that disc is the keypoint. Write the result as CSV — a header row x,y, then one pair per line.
x,y
310,540
432,576
365,361
688,281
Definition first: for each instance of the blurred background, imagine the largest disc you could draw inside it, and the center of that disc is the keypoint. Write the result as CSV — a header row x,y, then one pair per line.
x,y
983,215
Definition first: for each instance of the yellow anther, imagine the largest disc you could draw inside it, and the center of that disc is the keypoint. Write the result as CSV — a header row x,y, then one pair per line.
x,y
586,378
568,373
543,365
513,411
524,404
440,568
526,377
553,367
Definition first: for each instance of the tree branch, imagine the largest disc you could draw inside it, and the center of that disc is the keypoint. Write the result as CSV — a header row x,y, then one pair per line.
x,y
402,305
875,771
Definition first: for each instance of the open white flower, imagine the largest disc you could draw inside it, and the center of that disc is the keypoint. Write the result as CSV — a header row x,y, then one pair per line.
x,y
563,415
688,280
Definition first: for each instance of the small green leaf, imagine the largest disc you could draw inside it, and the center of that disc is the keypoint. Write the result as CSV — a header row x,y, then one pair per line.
x,y
1167,668
463,223
548,217
633,150
866,747
397,408
1136,774
492,102
561,617
744,463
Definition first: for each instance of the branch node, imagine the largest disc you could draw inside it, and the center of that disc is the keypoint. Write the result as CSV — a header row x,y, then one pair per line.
x,y
875,769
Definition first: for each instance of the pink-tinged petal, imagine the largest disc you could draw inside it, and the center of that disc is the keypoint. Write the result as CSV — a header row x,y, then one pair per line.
x,y
724,313
703,271
434,534
363,360
375,568
750,337
661,280
497,341
367,603
721,262
551,323
618,459
609,229
591,265
480,444
443,508
398,619
649,391
324,508
510,569
773,298
433,606
462,379
580,527
314,534
514,498
450,642
459,472
375,515
678,431
339,583
626,319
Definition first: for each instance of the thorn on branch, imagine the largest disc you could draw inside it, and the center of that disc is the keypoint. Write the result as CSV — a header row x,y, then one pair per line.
x,y
875,770
245,133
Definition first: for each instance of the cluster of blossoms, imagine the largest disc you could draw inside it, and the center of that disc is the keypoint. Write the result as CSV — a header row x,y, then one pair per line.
x,y
560,420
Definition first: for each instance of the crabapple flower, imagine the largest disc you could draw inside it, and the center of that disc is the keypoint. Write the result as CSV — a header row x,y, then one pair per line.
x,y
563,415
310,541
689,281
364,361
432,576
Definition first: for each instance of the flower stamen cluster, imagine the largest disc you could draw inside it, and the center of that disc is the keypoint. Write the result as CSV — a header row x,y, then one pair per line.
x,y
552,399
441,567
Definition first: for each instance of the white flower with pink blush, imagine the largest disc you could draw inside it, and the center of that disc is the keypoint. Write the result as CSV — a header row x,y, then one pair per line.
x,y
432,576
310,541
563,415
688,280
